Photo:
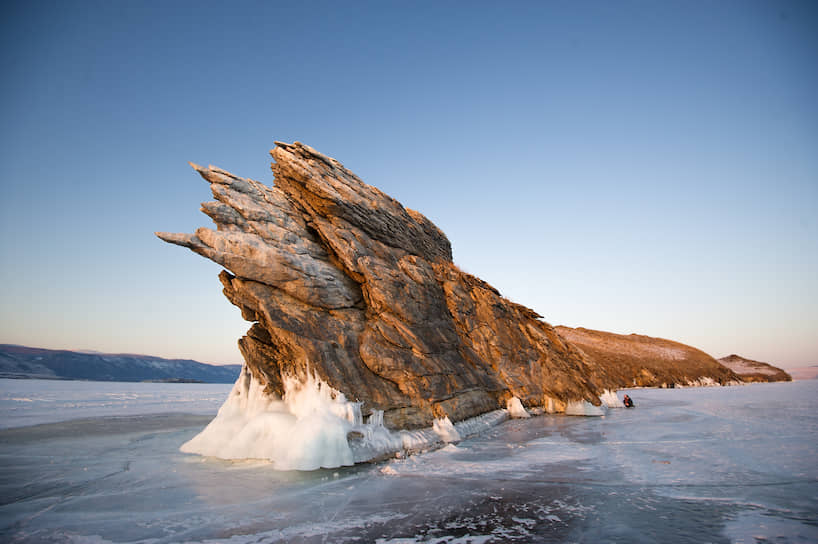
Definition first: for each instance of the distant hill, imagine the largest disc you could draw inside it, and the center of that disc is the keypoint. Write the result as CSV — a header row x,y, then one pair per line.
x,y
643,361
26,362
754,371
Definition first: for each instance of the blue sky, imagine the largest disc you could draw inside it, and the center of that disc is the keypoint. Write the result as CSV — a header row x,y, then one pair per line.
x,y
647,167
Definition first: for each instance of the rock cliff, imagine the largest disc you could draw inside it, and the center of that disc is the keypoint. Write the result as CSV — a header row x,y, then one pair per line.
x,y
620,360
754,371
344,283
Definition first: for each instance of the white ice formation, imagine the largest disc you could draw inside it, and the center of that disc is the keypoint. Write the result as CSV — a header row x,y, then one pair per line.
x,y
704,381
516,409
314,426
611,400
304,431
583,408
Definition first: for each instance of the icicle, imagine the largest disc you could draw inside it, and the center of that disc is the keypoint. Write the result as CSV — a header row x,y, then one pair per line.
x,y
376,418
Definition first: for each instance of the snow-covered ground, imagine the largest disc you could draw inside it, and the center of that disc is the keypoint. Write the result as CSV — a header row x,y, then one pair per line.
x,y
733,464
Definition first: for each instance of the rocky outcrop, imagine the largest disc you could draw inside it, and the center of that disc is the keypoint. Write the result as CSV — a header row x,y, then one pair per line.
x,y
634,360
754,371
343,282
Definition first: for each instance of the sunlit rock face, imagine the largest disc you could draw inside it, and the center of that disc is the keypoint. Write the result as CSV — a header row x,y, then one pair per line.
x,y
635,360
343,282
754,371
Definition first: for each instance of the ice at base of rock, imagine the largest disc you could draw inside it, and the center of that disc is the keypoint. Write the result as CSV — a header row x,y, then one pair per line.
x,y
444,428
583,408
704,381
304,431
516,409
314,426
611,400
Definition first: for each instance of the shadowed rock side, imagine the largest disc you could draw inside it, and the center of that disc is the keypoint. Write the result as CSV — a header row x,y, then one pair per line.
x,y
343,281
754,371
642,361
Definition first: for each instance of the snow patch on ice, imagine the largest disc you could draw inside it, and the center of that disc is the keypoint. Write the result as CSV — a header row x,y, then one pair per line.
x,y
516,409
763,525
448,539
309,530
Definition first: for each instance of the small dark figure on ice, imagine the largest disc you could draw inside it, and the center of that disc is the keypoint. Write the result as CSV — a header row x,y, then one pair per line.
x,y
628,402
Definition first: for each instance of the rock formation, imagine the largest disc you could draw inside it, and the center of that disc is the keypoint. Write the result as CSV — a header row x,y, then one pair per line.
x,y
634,360
343,282
754,371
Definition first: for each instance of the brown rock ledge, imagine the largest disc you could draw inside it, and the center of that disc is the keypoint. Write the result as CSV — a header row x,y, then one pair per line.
x,y
634,360
754,371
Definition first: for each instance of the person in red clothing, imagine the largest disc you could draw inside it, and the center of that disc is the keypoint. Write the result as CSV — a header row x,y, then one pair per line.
x,y
628,402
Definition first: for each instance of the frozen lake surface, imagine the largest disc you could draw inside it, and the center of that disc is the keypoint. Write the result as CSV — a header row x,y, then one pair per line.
x,y
102,464
31,402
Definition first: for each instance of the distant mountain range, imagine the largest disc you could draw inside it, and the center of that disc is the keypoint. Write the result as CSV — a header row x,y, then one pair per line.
x,y
25,362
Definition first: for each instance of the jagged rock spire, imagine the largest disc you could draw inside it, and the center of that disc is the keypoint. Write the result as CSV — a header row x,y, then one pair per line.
x,y
341,280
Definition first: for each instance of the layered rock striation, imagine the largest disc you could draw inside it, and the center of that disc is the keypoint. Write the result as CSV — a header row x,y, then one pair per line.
x,y
754,371
343,283
635,360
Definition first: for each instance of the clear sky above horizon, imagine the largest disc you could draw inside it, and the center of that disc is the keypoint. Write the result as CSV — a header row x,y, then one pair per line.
x,y
636,167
